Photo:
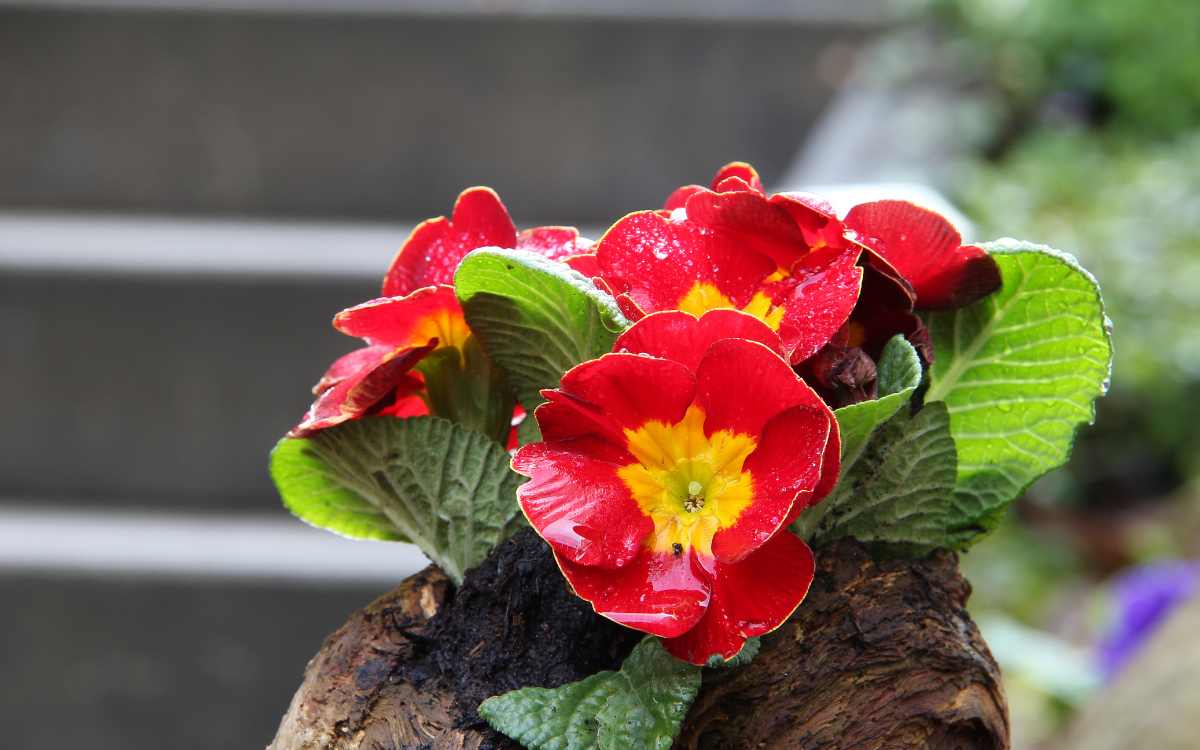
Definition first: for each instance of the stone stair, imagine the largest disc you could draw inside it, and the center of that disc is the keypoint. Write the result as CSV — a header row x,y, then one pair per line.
x,y
189,189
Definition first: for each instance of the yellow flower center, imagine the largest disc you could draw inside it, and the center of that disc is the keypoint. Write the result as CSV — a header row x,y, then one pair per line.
x,y
690,484
704,296
448,326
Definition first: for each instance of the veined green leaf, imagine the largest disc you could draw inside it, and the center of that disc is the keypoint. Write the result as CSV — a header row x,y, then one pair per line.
x,y
900,491
426,480
1019,372
640,706
536,317
899,367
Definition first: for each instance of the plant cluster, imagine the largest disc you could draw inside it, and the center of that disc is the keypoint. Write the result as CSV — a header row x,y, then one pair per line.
x,y
685,408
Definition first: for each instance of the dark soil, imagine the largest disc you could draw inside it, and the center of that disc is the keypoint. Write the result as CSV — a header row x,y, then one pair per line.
x,y
512,624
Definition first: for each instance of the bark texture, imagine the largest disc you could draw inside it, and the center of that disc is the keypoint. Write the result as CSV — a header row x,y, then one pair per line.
x,y
880,655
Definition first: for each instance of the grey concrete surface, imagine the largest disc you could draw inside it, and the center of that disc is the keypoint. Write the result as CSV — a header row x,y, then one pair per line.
x,y
390,115
238,547
163,390
116,664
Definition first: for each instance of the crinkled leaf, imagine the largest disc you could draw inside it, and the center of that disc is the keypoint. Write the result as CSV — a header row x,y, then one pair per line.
x,y
899,367
899,375
537,318
745,656
900,491
427,480
1019,372
640,706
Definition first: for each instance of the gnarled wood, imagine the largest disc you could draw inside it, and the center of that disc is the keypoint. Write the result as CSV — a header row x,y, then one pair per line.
x,y
880,655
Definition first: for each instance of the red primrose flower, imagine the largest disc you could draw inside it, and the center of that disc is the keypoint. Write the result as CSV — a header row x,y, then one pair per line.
x,y
668,472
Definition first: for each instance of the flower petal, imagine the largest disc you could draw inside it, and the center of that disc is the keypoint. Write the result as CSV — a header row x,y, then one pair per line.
x,y
764,382
679,198
434,249
349,365
749,598
566,417
786,466
814,215
927,250
680,336
660,594
586,264
831,467
429,312
753,220
579,505
656,261
633,389
817,298
383,371
737,175
555,243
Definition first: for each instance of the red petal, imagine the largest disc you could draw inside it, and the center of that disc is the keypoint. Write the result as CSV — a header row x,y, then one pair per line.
x,y
806,209
679,336
566,417
579,505
356,394
786,466
737,175
656,261
831,466
749,598
633,389
660,594
927,250
401,321
585,264
555,243
742,384
679,198
349,365
434,249
817,298
754,221
407,405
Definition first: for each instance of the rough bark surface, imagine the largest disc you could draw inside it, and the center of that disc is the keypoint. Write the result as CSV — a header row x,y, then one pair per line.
x,y
880,655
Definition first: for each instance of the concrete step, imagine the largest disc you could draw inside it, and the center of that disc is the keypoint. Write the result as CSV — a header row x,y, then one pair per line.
x,y
119,663
160,377
128,629
579,110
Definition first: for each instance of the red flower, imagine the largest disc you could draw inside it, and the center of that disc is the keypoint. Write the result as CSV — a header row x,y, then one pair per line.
x,y
926,251
913,260
783,259
668,472
419,313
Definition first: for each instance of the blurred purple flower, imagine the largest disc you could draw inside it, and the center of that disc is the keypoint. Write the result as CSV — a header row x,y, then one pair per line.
x,y
1144,597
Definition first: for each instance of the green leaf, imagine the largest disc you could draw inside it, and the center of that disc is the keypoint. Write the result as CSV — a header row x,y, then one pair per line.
x,y
640,706
1019,372
426,480
465,387
899,374
899,367
901,490
536,317
745,656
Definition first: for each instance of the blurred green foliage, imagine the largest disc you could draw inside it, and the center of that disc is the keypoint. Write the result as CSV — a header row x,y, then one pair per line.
x,y
1094,147
1138,60
1086,136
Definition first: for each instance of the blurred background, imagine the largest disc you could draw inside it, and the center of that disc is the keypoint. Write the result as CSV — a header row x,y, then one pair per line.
x,y
189,189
